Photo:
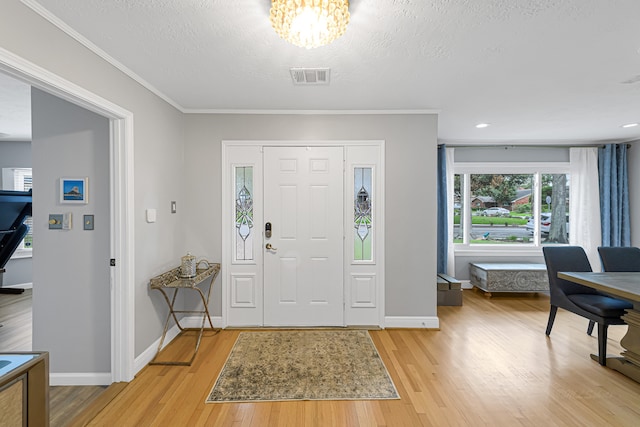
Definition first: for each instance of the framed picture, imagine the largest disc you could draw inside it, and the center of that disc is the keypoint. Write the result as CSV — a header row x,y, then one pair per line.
x,y
74,190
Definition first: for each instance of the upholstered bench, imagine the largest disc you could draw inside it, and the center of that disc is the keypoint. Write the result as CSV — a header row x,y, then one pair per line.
x,y
509,277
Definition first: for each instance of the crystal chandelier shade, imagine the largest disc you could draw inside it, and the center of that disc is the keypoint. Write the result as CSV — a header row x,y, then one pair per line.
x,y
310,23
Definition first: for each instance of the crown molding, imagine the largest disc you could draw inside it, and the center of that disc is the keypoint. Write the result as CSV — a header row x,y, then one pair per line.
x,y
40,10
510,144
60,24
308,112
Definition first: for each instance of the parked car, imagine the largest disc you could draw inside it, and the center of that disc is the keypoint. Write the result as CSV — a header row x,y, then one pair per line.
x,y
496,212
545,223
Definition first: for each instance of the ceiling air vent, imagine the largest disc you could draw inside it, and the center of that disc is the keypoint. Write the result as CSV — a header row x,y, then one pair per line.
x,y
310,76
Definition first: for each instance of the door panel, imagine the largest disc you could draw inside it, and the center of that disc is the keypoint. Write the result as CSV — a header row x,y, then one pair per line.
x,y
303,273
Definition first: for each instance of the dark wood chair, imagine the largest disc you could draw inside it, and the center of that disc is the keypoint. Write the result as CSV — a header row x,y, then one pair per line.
x,y
581,300
616,258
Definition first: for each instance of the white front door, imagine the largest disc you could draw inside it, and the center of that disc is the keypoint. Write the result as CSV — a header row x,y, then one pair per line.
x,y
303,270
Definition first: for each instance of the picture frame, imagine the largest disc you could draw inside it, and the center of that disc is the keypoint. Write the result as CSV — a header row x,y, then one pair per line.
x,y
74,190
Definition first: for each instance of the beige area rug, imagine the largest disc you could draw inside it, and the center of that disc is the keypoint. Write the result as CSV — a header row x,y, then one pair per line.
x,y
303,365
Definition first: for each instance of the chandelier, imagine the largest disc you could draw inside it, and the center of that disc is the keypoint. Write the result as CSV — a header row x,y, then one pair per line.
x,y
310,23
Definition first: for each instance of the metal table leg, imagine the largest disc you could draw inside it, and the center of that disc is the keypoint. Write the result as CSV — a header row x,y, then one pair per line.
x,y
172,314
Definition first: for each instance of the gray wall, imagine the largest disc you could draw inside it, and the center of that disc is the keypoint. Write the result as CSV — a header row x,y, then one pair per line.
x,y
633,160
18,272
510,153
16,154
158,151
71,295
411,142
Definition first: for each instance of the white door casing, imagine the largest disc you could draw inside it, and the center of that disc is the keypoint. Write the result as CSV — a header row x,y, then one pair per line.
x,y
122,237
241,276
243,293
303,279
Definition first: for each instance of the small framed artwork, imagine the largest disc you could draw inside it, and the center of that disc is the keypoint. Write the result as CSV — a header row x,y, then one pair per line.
x,y
74,190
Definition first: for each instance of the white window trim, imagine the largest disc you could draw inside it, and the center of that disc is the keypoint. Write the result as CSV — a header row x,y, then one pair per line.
x,y
22,253
536,169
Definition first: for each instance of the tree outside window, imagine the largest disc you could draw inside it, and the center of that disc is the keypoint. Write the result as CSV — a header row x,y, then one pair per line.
x,y
503,209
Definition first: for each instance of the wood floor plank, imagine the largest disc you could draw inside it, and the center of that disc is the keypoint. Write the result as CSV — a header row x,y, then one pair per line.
x,y
15,318
92,405
490,364
68,402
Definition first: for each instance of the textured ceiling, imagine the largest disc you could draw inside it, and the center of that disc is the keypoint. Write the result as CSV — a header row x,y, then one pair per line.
x,y
537,70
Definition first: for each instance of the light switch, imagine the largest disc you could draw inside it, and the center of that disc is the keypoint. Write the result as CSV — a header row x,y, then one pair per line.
x,y
55,221
151,215
174,207
88,222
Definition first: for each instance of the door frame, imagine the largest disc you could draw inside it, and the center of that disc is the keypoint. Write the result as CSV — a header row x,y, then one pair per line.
x,y
122,236
363,282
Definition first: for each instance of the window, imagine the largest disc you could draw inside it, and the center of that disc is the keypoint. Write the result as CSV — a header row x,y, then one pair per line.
x,y
527,208
19,179
244,213
362,220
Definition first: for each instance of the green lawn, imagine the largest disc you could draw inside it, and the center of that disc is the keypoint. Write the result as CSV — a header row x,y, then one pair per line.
x,y
492,242
488,220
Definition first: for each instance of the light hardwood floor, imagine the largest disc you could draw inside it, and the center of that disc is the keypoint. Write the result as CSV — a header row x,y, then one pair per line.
x,y
489,365
15,318
16,335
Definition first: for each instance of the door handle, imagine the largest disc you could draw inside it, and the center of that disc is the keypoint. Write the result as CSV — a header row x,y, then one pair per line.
x,y
269,247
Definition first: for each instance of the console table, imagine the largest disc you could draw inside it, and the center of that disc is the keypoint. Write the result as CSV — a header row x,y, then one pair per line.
x,y
173,280
509,277
24,389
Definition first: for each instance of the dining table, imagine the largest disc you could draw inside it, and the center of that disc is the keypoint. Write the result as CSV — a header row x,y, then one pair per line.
x,y
625,286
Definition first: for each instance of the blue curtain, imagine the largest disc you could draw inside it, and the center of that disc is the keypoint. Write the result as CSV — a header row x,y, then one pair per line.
x,y
614,195
442,210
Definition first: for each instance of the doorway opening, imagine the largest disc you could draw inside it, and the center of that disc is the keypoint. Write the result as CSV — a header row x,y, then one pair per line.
x,y
121,200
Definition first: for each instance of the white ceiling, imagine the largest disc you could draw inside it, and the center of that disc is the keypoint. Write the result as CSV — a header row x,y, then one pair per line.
x,y
548,71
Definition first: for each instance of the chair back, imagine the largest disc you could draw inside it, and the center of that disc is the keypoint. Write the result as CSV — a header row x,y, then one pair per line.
x,y
619,258
566,258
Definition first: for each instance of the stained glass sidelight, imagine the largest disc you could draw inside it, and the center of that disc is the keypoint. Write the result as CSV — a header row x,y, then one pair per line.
x,y
244,212
362,214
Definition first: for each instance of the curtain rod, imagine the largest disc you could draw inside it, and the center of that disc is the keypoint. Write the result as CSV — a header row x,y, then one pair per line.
x,y
508,146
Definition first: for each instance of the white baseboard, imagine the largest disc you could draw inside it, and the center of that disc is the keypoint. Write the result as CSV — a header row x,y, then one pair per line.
x,y
422,322
196,321
187,322
147,356
93,378
19,286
